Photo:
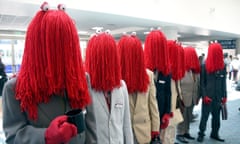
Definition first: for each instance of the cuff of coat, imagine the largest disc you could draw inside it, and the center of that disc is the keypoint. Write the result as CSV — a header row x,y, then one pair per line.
x,y
155,134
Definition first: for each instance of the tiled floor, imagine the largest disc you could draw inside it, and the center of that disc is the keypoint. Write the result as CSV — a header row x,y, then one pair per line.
x,y
230,129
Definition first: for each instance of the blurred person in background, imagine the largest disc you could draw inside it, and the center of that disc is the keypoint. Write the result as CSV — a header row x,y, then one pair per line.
x,y
3,76
235,64
230,68
203,58
227,62
3,80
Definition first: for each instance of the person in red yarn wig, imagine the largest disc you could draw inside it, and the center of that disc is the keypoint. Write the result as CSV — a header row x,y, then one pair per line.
x,y
141,89
109,93
176,58
189,85
213,91
156,56
50,82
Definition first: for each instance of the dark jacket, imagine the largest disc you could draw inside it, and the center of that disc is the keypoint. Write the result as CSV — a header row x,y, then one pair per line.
x,y
3,77
163,89
213,85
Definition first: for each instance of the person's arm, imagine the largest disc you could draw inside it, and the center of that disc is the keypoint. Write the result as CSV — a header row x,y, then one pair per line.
x,y
15,123
153,107
203,82
168,94
196,92
90,120
127,128
91,128
225,84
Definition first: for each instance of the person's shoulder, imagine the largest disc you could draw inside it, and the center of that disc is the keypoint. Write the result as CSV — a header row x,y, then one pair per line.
x,y
11,83
149,73
123,83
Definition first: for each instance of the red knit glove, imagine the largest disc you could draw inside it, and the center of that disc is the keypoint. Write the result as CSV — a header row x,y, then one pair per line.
x,y
224,100
155,138
155,134
165,121
207,100
60,131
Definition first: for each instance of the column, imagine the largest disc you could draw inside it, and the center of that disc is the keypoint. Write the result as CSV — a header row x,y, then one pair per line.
x,y
170,32
13,56
237,46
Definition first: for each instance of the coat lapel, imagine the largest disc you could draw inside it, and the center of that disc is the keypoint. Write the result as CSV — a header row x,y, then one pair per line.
x,y
102,100
117,100
138,100
113,97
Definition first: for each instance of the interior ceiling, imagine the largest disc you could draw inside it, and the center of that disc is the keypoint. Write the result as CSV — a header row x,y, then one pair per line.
x,y
15,17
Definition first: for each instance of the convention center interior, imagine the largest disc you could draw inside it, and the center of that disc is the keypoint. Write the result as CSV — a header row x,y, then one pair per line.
x,y
63,48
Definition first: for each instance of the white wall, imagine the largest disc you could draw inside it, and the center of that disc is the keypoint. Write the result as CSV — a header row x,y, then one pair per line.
x,y
221,15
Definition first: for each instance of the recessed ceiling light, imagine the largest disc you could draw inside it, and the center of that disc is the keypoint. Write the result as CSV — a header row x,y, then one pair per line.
x,y
97,28
82,32
146,32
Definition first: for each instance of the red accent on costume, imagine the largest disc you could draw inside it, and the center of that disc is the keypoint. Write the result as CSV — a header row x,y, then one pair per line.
x,y
60,131
165,121
224,100
44,6
191,60
207,100
156,52
132,64
155,134
214,61
102,62
52,63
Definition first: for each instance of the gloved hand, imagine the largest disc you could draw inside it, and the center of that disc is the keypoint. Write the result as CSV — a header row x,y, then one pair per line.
x,y
197,101
165,121
155,140
207,100
60,131
224,100
154,134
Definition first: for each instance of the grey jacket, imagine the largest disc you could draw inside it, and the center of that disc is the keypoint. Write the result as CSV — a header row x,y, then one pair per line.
x,y
189,88
19,129
113,127
213,85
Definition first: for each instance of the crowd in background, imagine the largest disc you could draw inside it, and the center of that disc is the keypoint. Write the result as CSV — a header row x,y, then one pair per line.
x,y
233,67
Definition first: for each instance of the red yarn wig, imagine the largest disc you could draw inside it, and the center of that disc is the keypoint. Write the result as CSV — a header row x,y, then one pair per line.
x,y
156,53
102,62
175,59
51,64
191,60
214,61
132,64
181,65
